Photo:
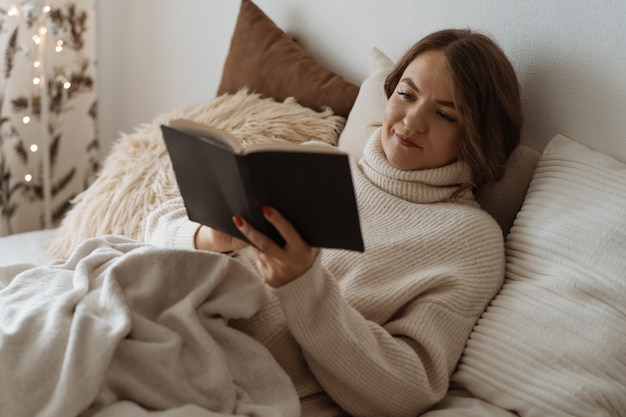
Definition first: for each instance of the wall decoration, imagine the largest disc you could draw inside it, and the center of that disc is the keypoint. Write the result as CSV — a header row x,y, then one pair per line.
x,y
49,148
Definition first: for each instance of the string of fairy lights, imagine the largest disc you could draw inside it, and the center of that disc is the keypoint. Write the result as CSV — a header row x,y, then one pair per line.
x,y
35,48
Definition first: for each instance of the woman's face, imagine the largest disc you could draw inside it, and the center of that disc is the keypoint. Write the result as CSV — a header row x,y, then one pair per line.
x,y
421,127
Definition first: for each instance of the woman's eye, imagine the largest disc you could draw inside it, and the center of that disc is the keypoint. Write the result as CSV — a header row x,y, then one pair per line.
x,y
447,117
405,95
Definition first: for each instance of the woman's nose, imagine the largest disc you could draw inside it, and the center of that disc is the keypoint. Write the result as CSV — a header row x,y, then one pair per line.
x,y
415,119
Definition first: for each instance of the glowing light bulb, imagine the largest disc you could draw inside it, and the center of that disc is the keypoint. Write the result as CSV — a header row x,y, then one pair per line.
x,y
26,120
59,46
43,30
37,39
13,11
28,178
67,85
46,8
36,64
34,148
36,80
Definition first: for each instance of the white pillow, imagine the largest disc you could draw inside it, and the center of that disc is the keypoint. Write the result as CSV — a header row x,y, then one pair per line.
x,y
368,107
553,341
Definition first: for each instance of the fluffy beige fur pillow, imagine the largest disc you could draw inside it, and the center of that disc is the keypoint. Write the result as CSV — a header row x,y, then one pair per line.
x,y
137,177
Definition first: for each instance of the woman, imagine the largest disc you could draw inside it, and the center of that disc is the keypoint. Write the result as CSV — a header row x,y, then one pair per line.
x,y
379,333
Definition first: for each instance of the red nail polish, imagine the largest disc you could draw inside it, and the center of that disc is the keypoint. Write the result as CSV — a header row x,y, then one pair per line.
x,y
238,222
267,210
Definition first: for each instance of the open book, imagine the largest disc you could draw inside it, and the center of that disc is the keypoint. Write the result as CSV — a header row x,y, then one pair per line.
x,y
310,184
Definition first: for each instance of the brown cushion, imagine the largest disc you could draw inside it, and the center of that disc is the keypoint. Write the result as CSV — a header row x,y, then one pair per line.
x,y
267,61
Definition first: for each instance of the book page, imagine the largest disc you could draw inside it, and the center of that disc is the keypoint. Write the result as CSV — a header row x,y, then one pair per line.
x,y
310,146
216,136
230,142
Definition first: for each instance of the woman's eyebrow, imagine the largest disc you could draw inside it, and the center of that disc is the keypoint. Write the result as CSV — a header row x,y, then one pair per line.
x,y
445,103
410,82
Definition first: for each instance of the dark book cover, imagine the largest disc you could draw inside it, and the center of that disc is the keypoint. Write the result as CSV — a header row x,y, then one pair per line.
x,y
312,188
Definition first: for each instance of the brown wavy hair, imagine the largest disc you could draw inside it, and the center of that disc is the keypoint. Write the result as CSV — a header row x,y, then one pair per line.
x,y
490,108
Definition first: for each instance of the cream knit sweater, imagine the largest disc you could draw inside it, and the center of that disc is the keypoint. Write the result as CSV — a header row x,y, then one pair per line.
x,y
378,333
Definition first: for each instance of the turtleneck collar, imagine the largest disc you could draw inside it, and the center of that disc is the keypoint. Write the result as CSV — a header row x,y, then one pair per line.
x,y
418,186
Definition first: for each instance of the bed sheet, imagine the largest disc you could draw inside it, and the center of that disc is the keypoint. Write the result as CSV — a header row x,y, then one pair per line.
x,y
28,247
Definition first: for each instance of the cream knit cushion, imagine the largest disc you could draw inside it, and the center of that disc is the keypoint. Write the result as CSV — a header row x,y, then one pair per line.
x,y
553,341
137,176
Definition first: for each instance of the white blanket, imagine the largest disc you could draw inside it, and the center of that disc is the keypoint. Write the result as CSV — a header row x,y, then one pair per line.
x,y
127,329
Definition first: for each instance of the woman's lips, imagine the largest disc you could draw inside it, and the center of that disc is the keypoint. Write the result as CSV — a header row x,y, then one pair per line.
x,y
406,141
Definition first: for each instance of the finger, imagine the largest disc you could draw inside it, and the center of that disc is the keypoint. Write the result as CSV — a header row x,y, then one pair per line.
x,y
282,225
258,239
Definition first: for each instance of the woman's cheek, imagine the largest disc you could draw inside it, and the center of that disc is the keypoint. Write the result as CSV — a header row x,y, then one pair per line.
x,y
388,118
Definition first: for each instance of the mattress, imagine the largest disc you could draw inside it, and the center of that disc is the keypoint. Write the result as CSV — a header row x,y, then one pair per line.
x,y
28,247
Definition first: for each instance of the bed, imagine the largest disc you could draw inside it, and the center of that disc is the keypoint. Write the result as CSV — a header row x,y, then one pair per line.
x,y
552,342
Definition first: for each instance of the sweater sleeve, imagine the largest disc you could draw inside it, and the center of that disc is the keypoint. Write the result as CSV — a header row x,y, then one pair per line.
x,y
168,225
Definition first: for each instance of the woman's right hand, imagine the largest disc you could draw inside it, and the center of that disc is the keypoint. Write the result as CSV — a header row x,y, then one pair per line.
x,y
213,240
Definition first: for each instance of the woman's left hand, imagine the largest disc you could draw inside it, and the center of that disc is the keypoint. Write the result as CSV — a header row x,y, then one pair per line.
x,y
278,265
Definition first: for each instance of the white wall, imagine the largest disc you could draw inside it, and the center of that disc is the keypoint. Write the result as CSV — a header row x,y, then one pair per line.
x,y
156,55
